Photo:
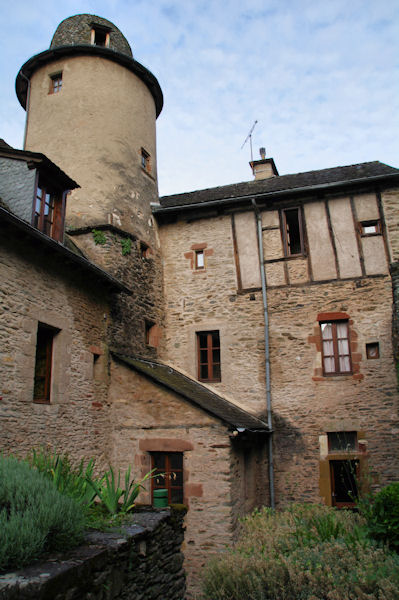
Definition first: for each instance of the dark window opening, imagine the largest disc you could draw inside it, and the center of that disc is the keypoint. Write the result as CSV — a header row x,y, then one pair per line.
x,y
336,348
168,475
100,36
208,349
342,441
55,83
199,259
292,231
145,250
373,350
43,363
344,477
149,333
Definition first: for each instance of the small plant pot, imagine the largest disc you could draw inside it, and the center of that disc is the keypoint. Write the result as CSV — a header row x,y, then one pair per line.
x,y
160,499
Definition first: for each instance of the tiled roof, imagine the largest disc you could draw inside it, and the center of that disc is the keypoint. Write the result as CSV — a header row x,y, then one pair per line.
x,y
296,181
196,393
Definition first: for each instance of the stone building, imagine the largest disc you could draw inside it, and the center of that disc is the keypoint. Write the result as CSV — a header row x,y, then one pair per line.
x,y
238,339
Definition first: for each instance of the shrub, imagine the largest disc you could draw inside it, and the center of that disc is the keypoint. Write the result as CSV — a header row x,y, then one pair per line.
x,y
383,517
34,516
307,553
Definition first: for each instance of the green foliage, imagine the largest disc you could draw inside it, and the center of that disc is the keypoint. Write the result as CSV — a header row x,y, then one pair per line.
x,y
34,516
114,498
69,480
99,237
126,246
307,552
383,516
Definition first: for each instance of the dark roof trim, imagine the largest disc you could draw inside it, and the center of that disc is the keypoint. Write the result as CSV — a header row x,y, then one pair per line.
x,y
336,185
40,161
196,393
48,56
63,252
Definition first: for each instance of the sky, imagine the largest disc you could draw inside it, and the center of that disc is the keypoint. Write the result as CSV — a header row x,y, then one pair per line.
x,y
321,78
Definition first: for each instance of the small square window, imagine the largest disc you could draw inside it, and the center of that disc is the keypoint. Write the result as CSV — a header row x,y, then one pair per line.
x,y
199,259
145,160
373,350
55,83
370,228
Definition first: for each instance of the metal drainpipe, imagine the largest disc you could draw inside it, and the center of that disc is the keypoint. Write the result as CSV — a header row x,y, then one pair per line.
x,y
267,351
27,108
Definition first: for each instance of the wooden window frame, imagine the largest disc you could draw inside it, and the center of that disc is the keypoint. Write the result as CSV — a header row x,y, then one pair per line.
x,y
166,482
336,354
210,363
55,83
58,200
145,160
356,476
285,232
372,223
103,31
44,345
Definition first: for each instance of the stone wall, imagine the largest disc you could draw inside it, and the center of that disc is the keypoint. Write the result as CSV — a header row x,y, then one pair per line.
x,y
38,286
141,562
17,187
148,418
138,265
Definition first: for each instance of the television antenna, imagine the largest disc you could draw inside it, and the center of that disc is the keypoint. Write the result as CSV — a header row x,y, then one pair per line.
x,y
249,137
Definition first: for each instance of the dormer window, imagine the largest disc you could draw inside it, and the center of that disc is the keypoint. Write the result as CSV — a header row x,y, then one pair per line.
x,y
100,36
48,211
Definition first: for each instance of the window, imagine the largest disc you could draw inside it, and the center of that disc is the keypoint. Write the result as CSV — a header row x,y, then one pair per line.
x,y
149,328
145,251
292,231
55,83
208,349
145,160
370,228
168,474
48,211
344,476
336,350
199,259
44,353
373,350
100,36
342,441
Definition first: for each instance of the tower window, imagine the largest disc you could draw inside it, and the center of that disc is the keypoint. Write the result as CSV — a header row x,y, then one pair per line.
x,y
100,36
55,83
292,232
145,160
199,259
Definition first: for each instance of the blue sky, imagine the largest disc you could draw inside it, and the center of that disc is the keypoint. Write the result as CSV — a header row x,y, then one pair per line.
x,y
321,79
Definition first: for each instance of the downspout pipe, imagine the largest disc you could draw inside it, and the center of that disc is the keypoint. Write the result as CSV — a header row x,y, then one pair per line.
x,y
27,108
267,351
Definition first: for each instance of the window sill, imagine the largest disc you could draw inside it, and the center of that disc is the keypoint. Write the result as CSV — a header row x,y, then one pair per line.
x,y
148,174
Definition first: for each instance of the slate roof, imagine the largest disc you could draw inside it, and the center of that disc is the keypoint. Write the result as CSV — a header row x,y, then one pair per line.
x,y
196,393
310,180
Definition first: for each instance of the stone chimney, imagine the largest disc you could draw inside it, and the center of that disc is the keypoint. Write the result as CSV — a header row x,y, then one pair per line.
x,y
264,168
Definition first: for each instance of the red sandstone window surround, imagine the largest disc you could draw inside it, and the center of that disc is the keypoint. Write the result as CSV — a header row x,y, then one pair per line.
x,y
208,352
336,347
168,475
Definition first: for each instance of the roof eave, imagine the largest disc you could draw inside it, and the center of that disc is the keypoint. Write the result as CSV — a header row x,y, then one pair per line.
x,y
338,185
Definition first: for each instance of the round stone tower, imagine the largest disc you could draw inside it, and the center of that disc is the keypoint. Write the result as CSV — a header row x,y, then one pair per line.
x,y
92,109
